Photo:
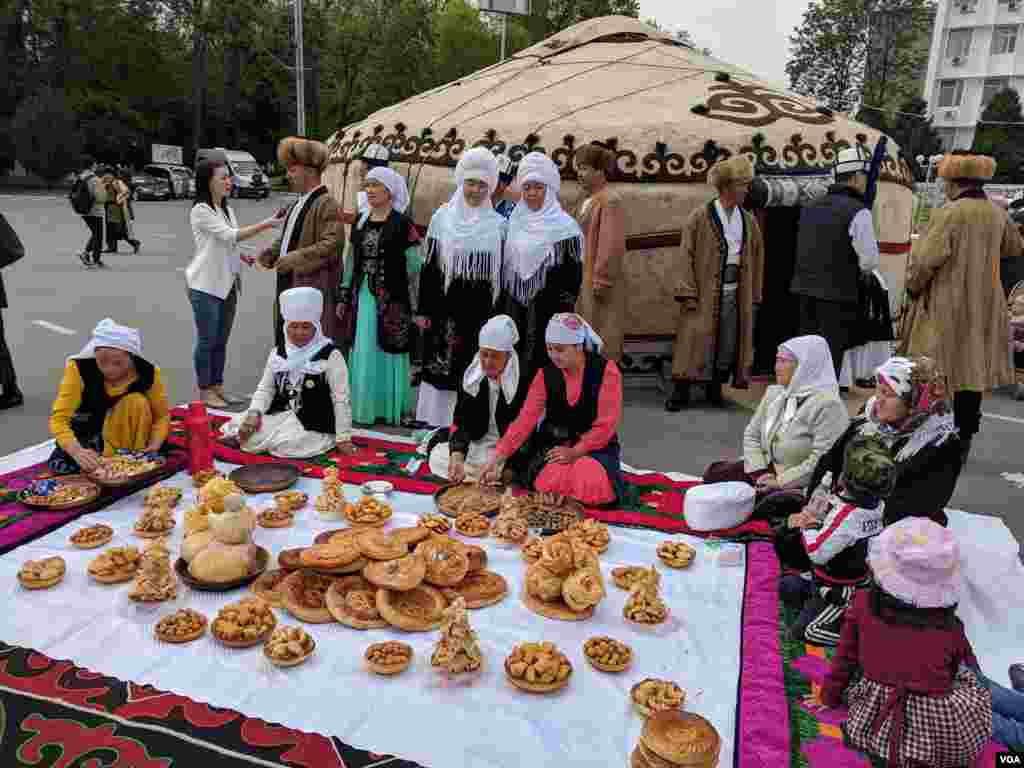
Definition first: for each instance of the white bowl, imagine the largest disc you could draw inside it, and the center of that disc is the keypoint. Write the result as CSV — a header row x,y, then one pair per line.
x,y
378,488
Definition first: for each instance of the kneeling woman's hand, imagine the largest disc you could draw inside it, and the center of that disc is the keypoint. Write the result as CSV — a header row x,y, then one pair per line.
x,y
563,454
345,448
456,468
87,459
250,425
491,474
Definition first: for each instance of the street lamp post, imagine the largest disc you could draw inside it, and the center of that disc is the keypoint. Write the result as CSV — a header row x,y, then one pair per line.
x,y
300,72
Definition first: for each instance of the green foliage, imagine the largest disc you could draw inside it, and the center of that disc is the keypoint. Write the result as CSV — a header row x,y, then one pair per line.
x,y
915,135
551,16
1004,142
46,136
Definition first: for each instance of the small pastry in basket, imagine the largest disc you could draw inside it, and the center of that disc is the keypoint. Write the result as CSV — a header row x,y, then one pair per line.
x,y
479,589
593,533
476,526
626,576
243,624
400,575
92,537
268,587
477,557
288,646
415,610
644,604
607,654
446,559
115,566
201,478
369,512
538,668
352,601
410,536
651,696
583,589
292,500
676,554
457,650
388,658
182,626
532,549
155,522
378,545
330,557
162,496
303,595
42,574
435,524
279,516
509,528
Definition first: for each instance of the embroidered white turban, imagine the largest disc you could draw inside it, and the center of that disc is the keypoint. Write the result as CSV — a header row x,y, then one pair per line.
x,y
302,305
109,334
570,328
395,184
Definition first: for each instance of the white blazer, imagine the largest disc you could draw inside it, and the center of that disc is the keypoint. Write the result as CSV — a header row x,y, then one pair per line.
x,y
216,263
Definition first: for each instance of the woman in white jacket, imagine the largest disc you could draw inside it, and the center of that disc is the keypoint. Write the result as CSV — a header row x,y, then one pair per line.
x,y
213,276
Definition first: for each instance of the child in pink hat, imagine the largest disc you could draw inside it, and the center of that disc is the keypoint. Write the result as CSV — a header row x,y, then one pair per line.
x,y
917,703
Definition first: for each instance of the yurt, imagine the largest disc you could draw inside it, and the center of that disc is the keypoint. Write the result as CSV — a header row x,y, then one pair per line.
x,y
670,110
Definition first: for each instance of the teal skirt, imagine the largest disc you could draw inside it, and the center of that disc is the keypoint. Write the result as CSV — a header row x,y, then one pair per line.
x,y
378,381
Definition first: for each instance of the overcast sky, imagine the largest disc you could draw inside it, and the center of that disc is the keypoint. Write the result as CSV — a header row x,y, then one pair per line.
x,y
753,34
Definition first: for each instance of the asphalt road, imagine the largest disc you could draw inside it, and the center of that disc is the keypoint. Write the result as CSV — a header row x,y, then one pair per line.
x,y
55,303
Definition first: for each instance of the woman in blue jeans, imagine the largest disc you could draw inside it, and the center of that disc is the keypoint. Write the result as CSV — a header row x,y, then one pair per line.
x,y
213,276
1007,712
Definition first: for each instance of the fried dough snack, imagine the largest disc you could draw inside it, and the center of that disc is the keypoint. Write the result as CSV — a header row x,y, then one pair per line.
x,y
115,565
435,524
42,574
369,511
154,522
593,533
644,605
474,525
457,650
652,695
510,527
538,667
92,536
244,624
607,654
292,500
162,496
583,589
388,658
532,549
626,576
676,554
288,646
182,626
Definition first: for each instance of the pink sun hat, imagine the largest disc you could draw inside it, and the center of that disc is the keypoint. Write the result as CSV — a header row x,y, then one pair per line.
x,y
917,561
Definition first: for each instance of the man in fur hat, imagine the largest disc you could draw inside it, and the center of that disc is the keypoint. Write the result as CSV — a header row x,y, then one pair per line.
x,y
957,314
835,244
720,277
306,254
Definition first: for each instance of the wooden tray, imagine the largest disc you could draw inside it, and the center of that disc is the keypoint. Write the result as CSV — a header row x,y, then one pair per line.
x,y
264,478
94,493
262,561
142,477
498,489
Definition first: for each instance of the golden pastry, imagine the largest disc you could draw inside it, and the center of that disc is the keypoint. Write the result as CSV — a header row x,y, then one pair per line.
x,y
276,517
607,654
416,610
388,658
369,512
435,524
288,646
652,695
243,624
201,478
457,650
332,496
477,557
290,559
378,545
542,583
626,576
565,584
479,589
583,589
446,559
154,580
676,554
352,601
182,626
557,556
510,528
117,468
268,587
476,526
593,533
400,575
328,557
469,499
115,566
680,738
644,605
162,496
538,667
92,537
303,595
410,536
155,522
292,500
42,574
531,550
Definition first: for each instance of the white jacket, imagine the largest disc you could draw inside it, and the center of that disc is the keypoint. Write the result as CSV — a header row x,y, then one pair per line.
x,y
845,524
216,264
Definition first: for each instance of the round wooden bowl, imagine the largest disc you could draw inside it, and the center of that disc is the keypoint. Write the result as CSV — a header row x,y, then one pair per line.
x,y
94,490
244,643
285,663
264,478
440,492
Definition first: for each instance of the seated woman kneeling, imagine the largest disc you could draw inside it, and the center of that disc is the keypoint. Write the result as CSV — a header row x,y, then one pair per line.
x,y
487,403
301,407
796,422
110,399
575,451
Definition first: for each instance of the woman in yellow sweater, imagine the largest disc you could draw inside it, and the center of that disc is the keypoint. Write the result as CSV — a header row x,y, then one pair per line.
x,y
110,399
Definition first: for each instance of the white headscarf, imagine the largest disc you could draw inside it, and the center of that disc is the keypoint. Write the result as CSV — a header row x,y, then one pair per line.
x,y
469,239
395,184
814,373
532,236
499,333
107,333
300,305
570,328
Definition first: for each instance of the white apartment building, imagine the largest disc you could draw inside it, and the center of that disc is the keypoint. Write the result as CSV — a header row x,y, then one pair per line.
x,y
976,52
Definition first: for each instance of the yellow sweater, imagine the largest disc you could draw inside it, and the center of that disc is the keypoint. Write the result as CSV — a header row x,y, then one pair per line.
x,y
69,398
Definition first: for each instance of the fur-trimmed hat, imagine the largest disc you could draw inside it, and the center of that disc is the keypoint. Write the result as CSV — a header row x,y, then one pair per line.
x,y
735,170
961,164
597,156
295,149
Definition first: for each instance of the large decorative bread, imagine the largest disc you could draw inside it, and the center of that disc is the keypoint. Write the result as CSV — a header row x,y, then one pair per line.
x,y
235,524
194,544
717,506
566,583
219,563
682,738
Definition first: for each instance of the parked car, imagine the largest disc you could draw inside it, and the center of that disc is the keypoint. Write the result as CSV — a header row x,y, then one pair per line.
x,y
178,178
147,187
247,178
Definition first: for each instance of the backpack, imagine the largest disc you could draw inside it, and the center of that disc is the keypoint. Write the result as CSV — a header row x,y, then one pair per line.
x,y
81,196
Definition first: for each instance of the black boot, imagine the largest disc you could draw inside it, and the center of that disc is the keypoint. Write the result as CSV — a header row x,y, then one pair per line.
x,y
11,399
680,396
715,393
965,450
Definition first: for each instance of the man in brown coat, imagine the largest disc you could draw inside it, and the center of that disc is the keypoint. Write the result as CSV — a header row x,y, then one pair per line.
x,y
306,255
602,299
957,314
721,273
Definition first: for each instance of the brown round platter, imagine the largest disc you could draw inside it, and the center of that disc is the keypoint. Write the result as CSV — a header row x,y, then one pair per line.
x,y
262,561
140,477
326,536
489,490
552,519
557,609
94,491
264,478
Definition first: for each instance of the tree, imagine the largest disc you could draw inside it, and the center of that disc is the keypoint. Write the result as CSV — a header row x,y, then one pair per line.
x,y
551,16
46,135
899,37
915,135
828,51
1000,133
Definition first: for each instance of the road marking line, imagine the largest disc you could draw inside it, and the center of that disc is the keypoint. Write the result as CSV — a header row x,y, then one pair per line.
x,y
164,237
1012,419
55,328
180,269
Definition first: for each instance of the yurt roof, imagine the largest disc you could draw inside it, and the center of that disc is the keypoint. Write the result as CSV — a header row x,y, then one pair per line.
x,y
669,108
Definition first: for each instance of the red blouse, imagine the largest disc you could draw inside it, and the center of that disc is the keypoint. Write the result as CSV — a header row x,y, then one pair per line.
x,y
609,411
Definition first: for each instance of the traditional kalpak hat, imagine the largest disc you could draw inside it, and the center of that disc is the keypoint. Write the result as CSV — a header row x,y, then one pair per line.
x,y
376,155
961,164
852,160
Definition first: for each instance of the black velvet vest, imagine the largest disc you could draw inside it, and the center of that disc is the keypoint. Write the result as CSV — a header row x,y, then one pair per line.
x,y
314,404
564,424
473,416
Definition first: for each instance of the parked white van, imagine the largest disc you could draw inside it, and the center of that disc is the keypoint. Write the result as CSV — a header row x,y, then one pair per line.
x,y
247,176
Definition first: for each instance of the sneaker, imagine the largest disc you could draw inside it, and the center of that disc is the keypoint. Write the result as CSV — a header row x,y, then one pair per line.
x,y
136,245
84,257
11,400
99,263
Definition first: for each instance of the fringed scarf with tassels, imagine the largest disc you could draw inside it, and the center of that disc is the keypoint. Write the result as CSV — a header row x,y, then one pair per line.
x,y
525,287
467,242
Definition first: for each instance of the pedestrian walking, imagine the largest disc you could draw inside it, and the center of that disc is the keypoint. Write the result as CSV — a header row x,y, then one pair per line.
x,y
835,246
88,199
117,212
11,250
